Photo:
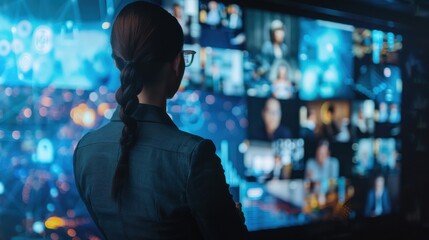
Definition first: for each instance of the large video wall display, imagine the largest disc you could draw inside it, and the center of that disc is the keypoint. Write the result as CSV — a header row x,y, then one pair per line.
x,y
305,114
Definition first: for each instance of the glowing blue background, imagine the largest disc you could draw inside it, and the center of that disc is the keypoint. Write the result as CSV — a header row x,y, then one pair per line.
x,y
63,55
325,60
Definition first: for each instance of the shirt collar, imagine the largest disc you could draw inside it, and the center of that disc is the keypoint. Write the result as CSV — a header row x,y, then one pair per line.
x,y
147,113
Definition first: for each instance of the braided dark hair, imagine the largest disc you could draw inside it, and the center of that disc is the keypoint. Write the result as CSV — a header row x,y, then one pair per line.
x,y
144,37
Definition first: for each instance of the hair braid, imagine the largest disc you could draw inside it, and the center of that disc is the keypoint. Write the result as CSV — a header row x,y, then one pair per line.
x,y
144,38
126,96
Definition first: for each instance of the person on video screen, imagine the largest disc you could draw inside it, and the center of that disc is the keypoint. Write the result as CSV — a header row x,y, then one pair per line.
x,y
363,127
184,20
281,84
394,114
275,47
272,127
280,170
329,129
214,80
139,175
308,128
382,113
378,199
364,157
214,15
386,155
234,17
323,166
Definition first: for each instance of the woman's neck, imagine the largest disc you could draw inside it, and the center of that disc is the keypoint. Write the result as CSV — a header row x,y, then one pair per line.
x,y
153,96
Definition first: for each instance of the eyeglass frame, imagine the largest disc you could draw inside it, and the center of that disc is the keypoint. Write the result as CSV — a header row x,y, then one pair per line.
x,y
186,53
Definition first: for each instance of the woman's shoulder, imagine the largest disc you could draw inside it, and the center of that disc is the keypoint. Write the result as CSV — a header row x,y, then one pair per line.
x,y
193,141
106,133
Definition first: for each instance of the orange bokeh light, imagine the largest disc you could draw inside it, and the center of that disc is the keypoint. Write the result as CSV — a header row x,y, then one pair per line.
x,y
83,115
102,108
54,222
71,232
46,101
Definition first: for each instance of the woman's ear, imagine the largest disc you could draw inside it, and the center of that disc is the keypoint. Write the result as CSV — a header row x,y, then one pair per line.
x,y
177,63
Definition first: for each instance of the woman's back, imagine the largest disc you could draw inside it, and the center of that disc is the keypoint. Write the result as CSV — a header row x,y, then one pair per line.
x,y
176,188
